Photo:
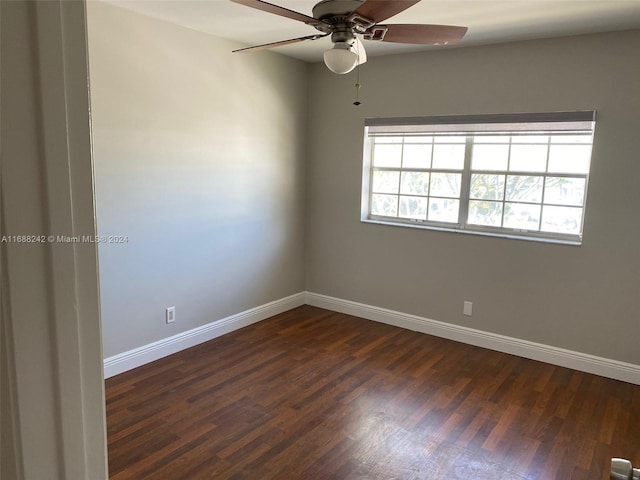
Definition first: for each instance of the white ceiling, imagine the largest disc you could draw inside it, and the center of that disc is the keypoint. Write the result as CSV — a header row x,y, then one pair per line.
x,y
489,21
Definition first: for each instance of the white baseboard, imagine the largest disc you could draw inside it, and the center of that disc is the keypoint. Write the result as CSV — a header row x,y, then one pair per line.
x,y
615,369
605,367
153,351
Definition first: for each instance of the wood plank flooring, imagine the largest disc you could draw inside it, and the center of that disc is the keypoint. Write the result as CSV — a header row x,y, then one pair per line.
x,y
313,394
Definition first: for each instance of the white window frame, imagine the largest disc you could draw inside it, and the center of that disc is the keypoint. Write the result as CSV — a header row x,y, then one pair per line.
x,y
471,126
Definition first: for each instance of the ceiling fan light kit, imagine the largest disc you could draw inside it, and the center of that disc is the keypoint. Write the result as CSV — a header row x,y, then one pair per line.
x,y
341,58
344,19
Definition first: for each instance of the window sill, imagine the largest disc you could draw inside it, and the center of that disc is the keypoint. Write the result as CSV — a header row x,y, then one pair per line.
x,y
575,243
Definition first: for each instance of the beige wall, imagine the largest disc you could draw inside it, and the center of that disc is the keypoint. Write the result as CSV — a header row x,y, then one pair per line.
x,y
200,162
580,298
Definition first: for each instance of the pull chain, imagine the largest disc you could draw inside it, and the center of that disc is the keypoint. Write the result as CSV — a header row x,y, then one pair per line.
x,y
357,102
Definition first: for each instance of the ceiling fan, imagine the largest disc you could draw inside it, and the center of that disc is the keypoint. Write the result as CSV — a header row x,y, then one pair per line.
x,y
345,19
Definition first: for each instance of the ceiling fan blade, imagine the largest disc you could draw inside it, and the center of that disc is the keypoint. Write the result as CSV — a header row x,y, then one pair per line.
x,y
277,10
417,34
380,10
358,49
280,43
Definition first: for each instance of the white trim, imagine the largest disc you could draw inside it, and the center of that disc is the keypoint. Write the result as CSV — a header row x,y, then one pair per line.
x,y
153,351
50,295
584,362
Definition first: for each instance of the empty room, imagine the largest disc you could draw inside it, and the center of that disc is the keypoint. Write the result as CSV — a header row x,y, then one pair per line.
x,y
395,240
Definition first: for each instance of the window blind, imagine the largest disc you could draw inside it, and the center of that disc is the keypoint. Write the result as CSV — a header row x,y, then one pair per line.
x,y
578,121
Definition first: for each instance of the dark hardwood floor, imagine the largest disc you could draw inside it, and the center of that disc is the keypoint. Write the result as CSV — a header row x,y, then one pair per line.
x,y
312,394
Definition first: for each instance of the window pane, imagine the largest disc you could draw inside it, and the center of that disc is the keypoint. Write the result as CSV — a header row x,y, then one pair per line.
x,y
450,139
487,186
490,157
564,191
530,139
561,219
415,183
444,210
522,216
386,205
387,155
585,139
448,156
413,207
528,158
491,139
418,139
446,184
388,139
417,156
524,188
485,213
385,181
569,158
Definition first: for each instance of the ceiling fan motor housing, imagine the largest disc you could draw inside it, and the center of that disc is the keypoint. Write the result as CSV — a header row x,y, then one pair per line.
x,y
343,35
339,19
335,8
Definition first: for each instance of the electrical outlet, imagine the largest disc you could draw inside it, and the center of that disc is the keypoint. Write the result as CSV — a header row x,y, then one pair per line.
x,y
467,308
170,314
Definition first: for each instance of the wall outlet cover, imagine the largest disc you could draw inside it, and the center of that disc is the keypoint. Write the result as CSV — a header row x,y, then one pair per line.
x,y
170,314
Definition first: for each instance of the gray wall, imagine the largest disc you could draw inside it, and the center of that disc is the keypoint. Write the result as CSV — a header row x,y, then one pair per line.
x,y
52,410
200,162
202,159
582,298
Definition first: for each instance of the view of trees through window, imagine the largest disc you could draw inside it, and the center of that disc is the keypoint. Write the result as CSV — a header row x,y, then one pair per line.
x,y
522,183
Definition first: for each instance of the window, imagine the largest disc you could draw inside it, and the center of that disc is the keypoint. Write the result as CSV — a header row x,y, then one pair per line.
x,y
516,175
